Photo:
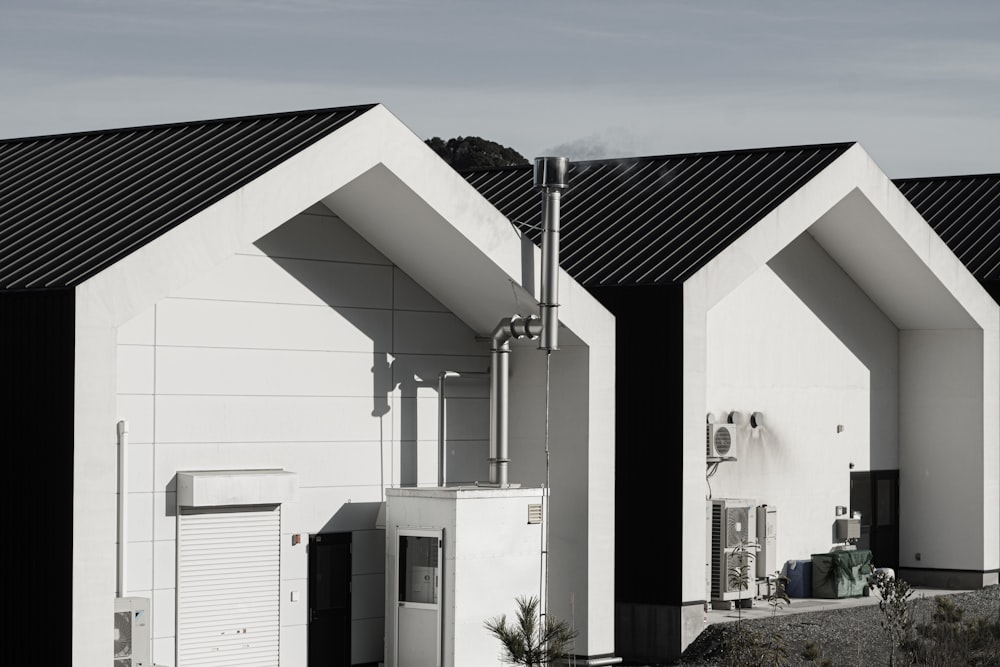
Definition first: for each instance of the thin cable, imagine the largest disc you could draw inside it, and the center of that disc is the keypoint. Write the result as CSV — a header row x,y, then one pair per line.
x,y
544,575
713,467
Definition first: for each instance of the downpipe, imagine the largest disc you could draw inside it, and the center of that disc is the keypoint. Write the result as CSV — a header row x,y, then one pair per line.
x,y
122,553
443,377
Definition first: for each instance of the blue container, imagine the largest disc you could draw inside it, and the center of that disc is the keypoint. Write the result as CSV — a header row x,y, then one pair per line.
x,y
799,573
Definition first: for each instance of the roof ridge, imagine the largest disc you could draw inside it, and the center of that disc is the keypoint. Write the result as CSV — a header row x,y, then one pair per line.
x,y
188,123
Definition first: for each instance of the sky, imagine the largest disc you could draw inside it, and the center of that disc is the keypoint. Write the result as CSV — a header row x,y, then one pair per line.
x,y
917,82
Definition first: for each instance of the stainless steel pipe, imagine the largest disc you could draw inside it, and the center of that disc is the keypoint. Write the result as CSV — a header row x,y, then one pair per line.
x,y
551,176
513,327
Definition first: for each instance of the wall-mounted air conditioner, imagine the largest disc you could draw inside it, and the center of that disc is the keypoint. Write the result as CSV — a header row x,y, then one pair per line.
x,y
733,522
133,625
720,439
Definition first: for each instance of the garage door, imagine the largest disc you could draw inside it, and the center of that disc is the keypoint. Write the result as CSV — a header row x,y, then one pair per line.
x,y
228,581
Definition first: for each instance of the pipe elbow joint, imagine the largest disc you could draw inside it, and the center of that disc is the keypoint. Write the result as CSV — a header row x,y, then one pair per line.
x,y
514,327
527,327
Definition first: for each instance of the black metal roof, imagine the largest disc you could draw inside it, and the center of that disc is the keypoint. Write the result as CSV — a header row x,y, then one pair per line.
x,y
73,204
656,220
965,212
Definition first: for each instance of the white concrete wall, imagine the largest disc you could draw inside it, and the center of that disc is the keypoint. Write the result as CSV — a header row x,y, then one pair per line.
x,y
942,427
851,316
571,571
811,352
769,352
309,352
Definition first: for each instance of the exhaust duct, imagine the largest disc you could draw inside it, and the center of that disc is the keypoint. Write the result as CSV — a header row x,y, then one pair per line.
x,y
551,177
513,327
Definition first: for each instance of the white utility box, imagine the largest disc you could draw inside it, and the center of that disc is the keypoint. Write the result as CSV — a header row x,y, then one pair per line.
x,y
455,557
767,537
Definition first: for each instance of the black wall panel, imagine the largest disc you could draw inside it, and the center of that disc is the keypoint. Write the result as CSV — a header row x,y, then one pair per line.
x,y
36,431
648,447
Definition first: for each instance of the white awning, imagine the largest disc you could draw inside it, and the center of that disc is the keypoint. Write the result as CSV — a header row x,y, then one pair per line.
x,y
217,488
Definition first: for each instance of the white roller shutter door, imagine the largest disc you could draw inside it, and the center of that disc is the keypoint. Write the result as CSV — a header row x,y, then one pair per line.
x,y
228,578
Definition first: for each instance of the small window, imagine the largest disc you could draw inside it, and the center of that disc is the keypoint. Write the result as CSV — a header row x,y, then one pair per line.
x,y
418,569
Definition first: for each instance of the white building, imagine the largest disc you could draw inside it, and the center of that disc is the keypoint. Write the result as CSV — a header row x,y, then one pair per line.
x,y
260,309
801,284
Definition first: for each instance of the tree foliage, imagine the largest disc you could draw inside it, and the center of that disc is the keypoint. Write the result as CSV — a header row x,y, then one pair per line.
x,y
470,152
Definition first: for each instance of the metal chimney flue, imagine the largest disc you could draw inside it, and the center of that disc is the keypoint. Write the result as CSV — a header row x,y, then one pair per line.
x,y
551,177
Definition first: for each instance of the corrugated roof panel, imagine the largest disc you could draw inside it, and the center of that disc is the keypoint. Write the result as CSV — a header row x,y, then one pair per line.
x,y
965,212
656,220
72,205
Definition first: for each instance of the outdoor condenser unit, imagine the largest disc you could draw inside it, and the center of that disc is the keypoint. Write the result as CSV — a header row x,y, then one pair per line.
x,y
733,523
767,537
719,439
133,625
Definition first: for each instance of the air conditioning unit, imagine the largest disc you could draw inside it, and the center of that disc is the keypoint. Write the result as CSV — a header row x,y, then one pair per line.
x,y
133,625
733,523
720,439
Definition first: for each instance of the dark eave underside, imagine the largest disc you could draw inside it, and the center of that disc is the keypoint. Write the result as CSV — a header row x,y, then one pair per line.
x,y
72,205
656,220
965,212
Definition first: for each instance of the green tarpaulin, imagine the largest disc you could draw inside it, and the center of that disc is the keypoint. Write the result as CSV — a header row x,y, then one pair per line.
x,y
841,574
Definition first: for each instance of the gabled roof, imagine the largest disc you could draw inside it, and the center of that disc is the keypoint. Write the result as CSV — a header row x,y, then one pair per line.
x,y
965,212
71,205
656,220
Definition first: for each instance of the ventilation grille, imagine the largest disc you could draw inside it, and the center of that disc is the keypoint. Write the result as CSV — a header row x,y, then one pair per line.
x,y
535,513
717,552
736,526
733,525
719,439
123,635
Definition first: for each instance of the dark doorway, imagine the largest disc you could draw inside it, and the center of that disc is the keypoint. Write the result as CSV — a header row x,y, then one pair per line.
x,y
875,494
330,600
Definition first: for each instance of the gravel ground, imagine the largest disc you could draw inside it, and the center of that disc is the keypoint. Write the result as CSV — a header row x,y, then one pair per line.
x,y
850,636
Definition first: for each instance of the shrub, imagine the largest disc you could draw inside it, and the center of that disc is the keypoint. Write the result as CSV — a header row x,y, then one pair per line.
x,y
779,596
950,640
744,647
812,653
530,642
895,607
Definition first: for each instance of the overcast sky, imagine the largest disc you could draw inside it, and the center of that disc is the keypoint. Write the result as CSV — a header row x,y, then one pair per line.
x,y
917,82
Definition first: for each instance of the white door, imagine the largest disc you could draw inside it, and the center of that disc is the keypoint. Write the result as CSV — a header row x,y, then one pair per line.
x,y
418,598
228,577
